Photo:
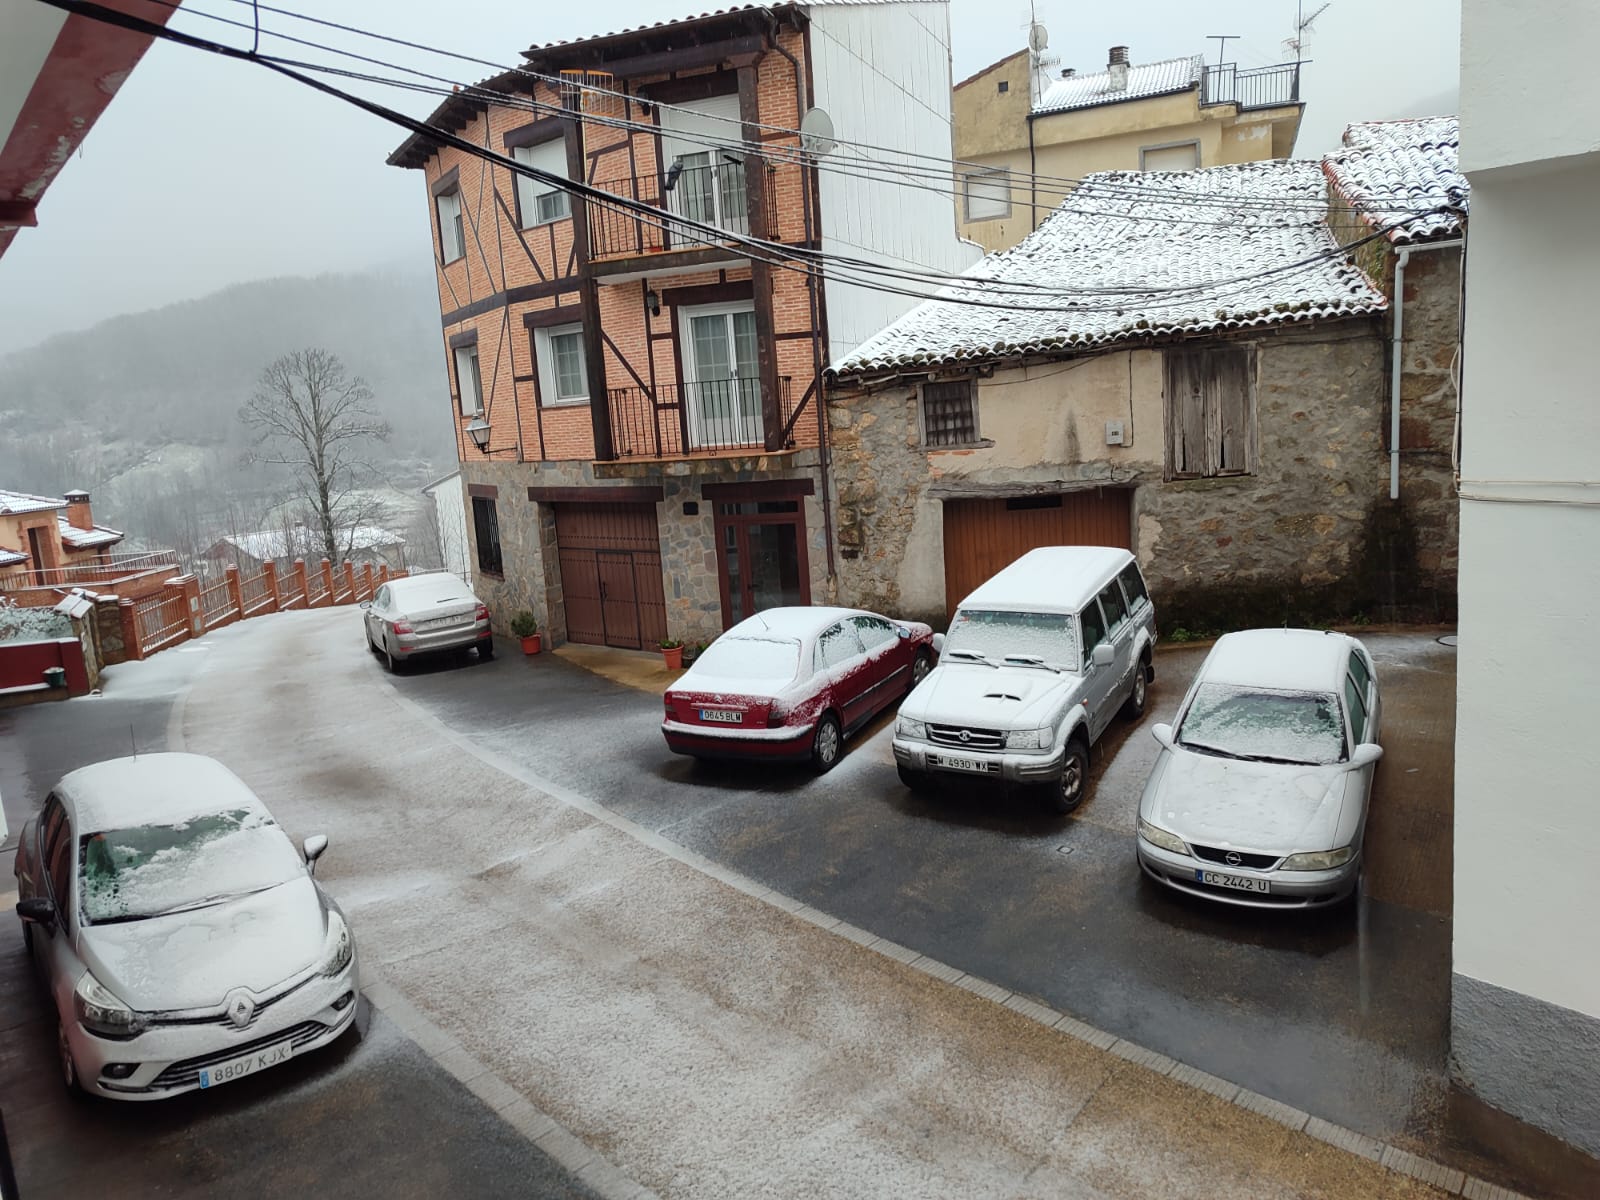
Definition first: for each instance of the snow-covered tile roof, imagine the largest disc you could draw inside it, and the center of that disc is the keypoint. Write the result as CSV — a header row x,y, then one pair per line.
x,y
86,539
1388,167
1134,256
10,558
16,503
702,16
1144,80
264,545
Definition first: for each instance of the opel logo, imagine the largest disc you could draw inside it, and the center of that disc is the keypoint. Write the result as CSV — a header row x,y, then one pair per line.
x,y
1233,858
965,735
240,1008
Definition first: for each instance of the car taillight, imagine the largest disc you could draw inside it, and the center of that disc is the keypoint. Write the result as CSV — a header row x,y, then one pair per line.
x,y
482,613
671,712
403,626
776,716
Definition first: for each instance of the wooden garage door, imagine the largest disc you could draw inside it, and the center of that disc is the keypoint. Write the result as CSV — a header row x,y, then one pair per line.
x,y
981,536
611,574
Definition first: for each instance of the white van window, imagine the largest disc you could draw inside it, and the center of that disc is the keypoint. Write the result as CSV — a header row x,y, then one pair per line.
x,y
993,635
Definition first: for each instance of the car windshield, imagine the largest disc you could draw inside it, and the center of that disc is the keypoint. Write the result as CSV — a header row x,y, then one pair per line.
x,y
750,660
993,635
1255,723
127,874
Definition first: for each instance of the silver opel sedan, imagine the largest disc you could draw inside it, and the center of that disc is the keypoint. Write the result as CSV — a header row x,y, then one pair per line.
x,y
1259,796
183,939
426,614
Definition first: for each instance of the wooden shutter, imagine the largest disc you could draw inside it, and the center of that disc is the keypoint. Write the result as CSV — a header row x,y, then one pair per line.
x,y
1186,427
1231,397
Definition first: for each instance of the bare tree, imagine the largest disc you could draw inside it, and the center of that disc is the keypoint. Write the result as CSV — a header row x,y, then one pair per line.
x,y
309,415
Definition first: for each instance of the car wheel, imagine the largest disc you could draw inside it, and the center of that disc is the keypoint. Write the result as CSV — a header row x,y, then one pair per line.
x,y
390,662
917,782
1068,791
69,1068
1133,707
486,649
825,743
920,667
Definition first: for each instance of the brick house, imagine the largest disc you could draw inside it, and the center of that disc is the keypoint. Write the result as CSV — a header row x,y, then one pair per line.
x,y
48,541
635,391
1227,425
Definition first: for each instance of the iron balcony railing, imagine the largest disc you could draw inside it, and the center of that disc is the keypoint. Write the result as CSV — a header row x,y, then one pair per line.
x,y
1258,87
113,568
706,416
711,193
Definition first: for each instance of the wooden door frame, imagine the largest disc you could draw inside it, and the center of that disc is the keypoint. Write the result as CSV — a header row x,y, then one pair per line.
x,y
741,523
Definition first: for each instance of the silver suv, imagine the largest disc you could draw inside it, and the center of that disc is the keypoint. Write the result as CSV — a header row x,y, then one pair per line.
x,y
1037,662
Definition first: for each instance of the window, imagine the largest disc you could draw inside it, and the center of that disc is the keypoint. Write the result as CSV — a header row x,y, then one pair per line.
x,y
539,203
382,600
563,375
60,866
1004,87
486,524
452,234
1183,157
1356,702
1094,629
469,382
1116,610
949,414
837,646
1359,672
1211,412
987,194
875,632
1133,585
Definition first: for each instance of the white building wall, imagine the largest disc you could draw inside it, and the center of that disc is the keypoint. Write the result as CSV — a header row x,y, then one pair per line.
x,y
882,72
449,502
1526,996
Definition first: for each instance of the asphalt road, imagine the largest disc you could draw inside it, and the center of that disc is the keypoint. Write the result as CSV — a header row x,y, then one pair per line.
x,y
1342,1013
370,1115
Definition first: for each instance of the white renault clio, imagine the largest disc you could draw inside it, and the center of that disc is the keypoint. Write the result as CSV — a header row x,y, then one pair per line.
x,y
182,937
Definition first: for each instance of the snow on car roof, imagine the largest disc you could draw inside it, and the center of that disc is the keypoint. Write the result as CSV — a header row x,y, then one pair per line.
x,y
152,789
795,624
1282,659
429,583
1050,579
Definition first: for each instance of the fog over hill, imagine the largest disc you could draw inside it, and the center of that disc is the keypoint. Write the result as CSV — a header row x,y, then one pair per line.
x,y
142,409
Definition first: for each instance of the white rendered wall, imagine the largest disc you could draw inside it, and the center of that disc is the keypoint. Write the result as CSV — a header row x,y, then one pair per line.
x,y
1527,892
449,501
882,72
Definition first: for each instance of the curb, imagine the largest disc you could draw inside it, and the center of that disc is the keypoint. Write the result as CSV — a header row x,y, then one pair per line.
x,y
1450,1180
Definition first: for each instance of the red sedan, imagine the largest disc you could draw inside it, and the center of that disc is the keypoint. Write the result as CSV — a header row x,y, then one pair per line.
x,y
790,683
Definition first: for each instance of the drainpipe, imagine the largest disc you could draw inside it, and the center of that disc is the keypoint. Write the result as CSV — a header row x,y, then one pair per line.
x,y
1402,258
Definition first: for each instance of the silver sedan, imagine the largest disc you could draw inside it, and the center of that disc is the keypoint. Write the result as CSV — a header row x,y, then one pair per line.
x,y
426,614
1259,796
182,938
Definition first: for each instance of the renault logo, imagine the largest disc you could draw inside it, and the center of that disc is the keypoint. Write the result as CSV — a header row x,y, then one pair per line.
x,y
1233,858
240,1008
965,735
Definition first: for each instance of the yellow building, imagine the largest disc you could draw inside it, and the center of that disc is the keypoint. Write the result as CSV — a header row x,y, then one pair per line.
x,y
1023,135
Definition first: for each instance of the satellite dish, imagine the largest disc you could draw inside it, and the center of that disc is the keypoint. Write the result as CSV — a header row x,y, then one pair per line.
x,y
1038,38
816,133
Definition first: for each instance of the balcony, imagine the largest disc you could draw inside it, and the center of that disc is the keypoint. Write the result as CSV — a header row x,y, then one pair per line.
x,y
95,572
708,417
712,193
1259,87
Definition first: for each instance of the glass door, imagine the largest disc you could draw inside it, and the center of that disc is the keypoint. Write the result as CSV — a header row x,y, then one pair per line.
x,y
721,380
763,558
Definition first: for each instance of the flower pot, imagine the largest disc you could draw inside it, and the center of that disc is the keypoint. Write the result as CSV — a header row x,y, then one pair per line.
x,y
530,644
673,657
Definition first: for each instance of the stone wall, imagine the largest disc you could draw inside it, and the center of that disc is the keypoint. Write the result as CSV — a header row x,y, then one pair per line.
x,y
1309,536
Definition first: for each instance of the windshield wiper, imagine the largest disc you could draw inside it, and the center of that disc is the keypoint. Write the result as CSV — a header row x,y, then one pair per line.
x,y
1031,660
208,901
1217,751
970,656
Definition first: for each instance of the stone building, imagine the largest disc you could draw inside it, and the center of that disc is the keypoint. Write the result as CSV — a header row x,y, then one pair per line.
x,y
1225,422
634,352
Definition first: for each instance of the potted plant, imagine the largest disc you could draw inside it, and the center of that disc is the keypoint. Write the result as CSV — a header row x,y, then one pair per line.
x,y
672,653
526,626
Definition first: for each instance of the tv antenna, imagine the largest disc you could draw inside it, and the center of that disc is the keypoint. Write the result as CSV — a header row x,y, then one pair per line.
x,y
1302,26
1222,40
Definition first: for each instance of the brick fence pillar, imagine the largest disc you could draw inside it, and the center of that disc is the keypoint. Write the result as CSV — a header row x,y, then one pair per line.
x,y
300,581
188,586
130,630
327,582
269,571
350,579
230,575
370,585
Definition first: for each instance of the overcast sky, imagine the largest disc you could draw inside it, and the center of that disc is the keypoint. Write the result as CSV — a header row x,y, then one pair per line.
x,y
206,172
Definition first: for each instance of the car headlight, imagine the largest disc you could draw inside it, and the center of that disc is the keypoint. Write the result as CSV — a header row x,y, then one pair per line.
x,y
1158,836
1030,739
337,948
907,728
1318,860
99,1011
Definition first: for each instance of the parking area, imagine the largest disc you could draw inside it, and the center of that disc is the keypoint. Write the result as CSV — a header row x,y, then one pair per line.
x,y
1343,1012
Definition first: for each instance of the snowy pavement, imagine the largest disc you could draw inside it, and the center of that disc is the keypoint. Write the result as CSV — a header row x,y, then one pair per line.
x,y
702,1039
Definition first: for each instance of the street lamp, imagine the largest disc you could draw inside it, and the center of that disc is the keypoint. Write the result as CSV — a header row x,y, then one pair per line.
x,y
478,431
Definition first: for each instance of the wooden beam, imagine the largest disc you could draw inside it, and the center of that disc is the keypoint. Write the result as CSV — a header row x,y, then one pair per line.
x,y
597,495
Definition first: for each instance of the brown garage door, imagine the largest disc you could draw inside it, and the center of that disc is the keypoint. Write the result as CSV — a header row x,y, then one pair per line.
x,y
981,536
611,574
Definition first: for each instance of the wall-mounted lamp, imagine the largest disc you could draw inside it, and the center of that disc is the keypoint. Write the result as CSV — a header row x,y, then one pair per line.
x,y
652,301
478,431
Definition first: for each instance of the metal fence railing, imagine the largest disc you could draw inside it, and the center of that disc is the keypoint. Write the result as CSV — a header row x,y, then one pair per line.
x,y
316,588
700,417
1258,87
254,595
161,620
112,568
216,602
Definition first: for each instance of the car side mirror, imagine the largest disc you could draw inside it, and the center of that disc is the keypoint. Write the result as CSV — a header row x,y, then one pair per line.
x,y
938,643
902,631
366,604
41,910
1104,655
313,848
1162,732
1365,755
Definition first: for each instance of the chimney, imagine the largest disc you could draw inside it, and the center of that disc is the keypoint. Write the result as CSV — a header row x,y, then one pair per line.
x,y
78,515
1068,72
1117,68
